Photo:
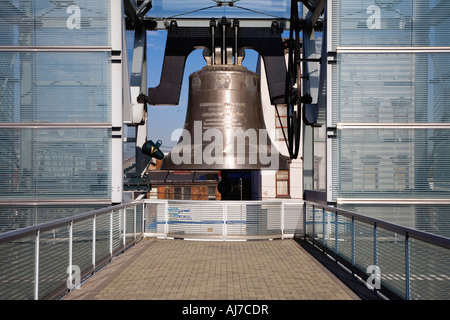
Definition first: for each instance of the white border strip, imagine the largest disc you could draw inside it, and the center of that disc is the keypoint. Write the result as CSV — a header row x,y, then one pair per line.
x,y
392,201
54,48
393,125
392,49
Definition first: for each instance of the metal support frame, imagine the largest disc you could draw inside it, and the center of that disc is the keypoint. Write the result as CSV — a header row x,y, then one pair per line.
x,y
136,113
181,41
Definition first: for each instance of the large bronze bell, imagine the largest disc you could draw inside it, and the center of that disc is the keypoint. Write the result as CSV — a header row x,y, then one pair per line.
x,y
224,127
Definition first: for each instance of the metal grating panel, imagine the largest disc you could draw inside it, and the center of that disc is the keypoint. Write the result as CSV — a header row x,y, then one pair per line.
x,y
82,244
345,234
364,246
117,236
17,259
391,261
293,218
430,279
190,218
102,234
53,259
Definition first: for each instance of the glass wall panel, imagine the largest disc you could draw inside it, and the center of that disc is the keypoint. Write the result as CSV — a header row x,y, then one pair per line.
x,y
55,164
55,87
392,23
392,88
391,163
55,23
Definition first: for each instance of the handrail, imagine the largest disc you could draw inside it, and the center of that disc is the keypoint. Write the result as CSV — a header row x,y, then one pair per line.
x,y
106,236
25,252
411,270
45,226
430,238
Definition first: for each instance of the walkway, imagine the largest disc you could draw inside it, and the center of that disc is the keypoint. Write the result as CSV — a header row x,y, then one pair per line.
x,y
199,270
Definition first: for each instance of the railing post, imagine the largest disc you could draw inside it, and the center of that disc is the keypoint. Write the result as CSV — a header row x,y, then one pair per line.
x,y
124,215
70,271
134,222
225,218
282,219
407,266
336,232
375,245
313,223
166,218
304,220
323,226
36,264
94,236
111,233
353,241
144,206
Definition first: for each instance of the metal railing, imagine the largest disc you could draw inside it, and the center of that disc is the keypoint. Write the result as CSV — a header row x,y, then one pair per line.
x,y
400,262
224,220
47,260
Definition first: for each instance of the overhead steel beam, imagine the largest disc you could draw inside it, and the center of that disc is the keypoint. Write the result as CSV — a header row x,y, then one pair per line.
x,y
181,41
164,23
316,13
135,11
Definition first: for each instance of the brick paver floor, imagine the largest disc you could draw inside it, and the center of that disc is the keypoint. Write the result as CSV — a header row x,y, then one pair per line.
x,y
205,270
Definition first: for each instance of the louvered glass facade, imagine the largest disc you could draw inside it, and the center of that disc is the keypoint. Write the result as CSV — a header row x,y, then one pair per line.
x,y
57,111
389,110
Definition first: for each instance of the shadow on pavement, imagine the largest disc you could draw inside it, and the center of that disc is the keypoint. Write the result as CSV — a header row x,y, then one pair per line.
x,y
354,284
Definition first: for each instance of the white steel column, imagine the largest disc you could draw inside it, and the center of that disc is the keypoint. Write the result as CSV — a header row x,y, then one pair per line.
x,y
116,40
36,264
